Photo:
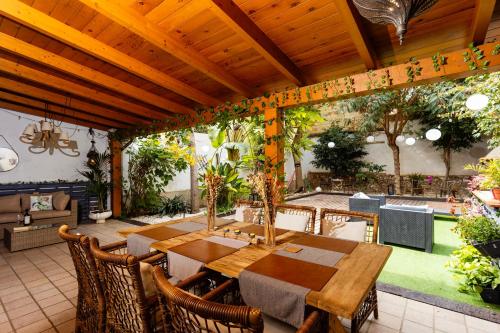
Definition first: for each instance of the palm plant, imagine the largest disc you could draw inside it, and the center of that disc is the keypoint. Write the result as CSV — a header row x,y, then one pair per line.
x,y
97,175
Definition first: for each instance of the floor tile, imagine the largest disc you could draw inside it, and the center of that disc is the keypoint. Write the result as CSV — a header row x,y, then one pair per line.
x,y
412,327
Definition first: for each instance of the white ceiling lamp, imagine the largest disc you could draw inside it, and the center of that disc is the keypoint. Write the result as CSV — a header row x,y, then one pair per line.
x,y
410,141
331,144
477,102
370,139
400,138
433,134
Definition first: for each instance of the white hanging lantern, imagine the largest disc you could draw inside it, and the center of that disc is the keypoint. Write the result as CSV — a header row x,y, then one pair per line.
x,y
410,141
433,134
29,131
331,144
370,139
400,138
57,130
64,136
477,102
45,125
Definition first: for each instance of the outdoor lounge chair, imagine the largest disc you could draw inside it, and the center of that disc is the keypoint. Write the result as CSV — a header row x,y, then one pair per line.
x,y
183,312
370,205
407,225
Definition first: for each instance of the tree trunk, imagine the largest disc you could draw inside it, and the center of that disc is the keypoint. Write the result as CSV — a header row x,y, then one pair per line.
x,y
397,167
193,170
299,180
447,163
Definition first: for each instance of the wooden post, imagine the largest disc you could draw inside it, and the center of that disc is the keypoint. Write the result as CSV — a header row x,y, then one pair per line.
x,y
116,177
274,142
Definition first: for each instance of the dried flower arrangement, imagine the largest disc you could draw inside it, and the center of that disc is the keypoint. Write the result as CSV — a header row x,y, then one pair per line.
x,y
270,190
213,182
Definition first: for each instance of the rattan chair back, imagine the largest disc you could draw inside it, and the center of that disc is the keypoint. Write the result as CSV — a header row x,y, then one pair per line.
x,y
328,215
90,308
308,211
188,313
127,309
249,203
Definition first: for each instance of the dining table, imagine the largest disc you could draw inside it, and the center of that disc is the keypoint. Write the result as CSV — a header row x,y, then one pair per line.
x,y
341,296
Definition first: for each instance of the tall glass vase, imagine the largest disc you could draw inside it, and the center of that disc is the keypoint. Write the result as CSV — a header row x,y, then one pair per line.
x,y
211,212
269,230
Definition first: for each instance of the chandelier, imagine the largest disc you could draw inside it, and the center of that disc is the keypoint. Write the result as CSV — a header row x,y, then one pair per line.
x,y
49,136
396,12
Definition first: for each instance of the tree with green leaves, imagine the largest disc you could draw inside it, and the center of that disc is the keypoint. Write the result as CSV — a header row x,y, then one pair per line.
x,y
298,123
390,110
345,158
439,111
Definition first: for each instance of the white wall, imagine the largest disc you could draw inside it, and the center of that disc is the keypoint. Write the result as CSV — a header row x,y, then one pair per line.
x,y
43,167
419,158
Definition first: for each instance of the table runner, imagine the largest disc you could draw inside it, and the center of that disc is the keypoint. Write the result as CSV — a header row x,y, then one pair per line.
x,y
187,259
139,243
313,255
327,243
279,285
188,226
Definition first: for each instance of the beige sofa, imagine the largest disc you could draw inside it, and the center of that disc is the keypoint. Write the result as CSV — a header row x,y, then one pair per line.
x,y
13,205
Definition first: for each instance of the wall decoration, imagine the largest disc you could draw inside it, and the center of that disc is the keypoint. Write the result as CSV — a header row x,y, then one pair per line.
x,y
9,158
396,12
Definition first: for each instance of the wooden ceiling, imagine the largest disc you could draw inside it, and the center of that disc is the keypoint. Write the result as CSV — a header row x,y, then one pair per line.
x,y
124,63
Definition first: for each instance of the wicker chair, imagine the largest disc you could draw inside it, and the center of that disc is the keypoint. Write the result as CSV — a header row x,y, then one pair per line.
x,y
370,303
128,310
256,206
299,210
90,309
184,312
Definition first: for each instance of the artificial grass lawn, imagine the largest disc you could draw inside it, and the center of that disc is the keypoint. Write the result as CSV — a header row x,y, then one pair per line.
x,y
426,272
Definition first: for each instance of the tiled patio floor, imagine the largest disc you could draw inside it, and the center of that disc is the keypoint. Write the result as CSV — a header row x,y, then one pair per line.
x,y
38,294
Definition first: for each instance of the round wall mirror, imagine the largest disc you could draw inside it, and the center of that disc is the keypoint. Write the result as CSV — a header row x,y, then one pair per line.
x,y
8,159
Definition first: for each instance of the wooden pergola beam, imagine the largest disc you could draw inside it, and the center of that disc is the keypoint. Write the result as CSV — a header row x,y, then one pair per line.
x,y
41,56
73,88
41,113
47,25
237,20
352,21
20,88
481,21
52,108
116,177
150,32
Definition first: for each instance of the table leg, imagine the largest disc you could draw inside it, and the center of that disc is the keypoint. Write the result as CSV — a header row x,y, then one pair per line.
x,y
334,324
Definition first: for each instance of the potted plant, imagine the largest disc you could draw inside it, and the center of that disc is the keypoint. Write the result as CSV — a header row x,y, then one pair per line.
x,y
476,274
481,232
99,185
416,181
490,172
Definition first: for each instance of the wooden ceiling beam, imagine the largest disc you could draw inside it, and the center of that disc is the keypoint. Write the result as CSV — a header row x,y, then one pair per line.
x,y
40,113
73,88
482,17
17,87
152,33
41,56
47,25
354,27
229,13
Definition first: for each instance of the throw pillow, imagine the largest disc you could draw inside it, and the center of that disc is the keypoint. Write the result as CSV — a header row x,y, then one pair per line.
x,y
291,222
360,195
10,203
41,202
238,216
147,279
60,200
355,231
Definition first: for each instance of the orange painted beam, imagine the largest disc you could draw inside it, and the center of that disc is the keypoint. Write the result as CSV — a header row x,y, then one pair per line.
x,y
116,177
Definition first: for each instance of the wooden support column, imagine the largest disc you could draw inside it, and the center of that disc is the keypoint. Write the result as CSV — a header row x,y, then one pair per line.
x,y
274,143
116,177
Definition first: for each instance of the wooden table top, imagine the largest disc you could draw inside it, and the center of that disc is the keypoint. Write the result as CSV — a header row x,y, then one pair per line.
x,y
343,293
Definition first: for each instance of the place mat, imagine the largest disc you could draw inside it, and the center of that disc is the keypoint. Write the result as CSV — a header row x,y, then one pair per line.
x,y
302,273
312,254
162,233
258,230
188,226
137,245
327,243
202,250
234,243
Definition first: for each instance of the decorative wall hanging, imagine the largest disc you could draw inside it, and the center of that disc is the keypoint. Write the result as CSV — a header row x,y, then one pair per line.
x,y
93,154
9,158
396,12
49,136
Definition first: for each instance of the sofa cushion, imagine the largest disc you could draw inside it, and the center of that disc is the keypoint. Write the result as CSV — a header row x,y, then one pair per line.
x,y
49,214
408,207
291,222
10,203
9,217
60,200
41,202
